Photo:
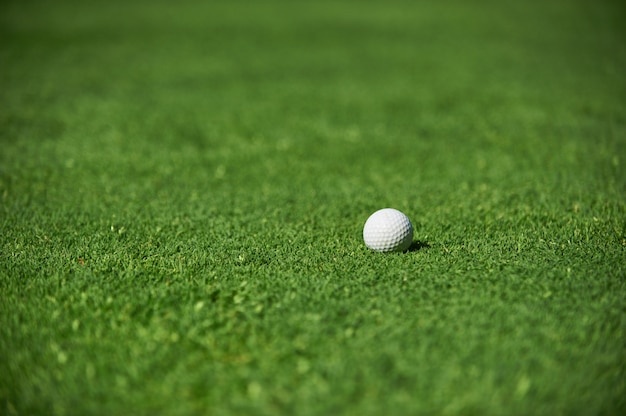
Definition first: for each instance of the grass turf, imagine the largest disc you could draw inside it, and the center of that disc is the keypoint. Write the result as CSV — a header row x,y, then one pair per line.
x,y
183,188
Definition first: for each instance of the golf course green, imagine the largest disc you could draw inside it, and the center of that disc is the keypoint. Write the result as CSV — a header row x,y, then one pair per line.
x,y
183,189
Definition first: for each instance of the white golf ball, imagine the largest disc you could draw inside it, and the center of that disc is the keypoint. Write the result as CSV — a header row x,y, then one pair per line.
x,y
388,230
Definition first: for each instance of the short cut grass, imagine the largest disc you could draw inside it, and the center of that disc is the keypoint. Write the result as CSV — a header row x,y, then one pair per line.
x,y
183,187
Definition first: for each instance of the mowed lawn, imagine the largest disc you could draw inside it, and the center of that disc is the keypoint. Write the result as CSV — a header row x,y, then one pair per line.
x,y
183,187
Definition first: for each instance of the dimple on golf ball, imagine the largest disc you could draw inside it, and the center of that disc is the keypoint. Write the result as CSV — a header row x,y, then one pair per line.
x,y
388,230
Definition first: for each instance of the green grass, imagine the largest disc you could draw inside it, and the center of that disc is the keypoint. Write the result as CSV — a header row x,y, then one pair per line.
x,y
183,189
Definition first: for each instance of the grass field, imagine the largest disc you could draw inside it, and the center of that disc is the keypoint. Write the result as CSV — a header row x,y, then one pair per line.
x,y
183,187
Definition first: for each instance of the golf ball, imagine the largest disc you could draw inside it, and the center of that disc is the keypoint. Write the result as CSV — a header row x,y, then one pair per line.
x,y
388,230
